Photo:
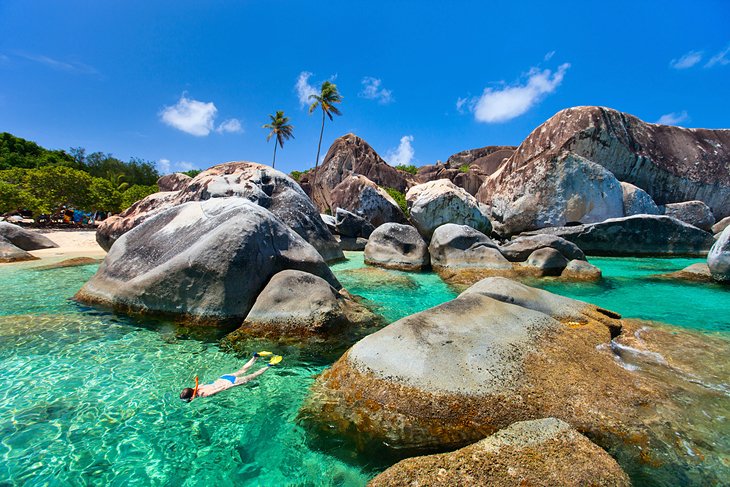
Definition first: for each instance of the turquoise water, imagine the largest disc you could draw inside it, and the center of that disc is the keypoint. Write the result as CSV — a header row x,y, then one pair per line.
x,y
91,397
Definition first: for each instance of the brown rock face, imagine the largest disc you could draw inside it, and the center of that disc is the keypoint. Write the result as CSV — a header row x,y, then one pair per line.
x,y
351,155
480,162
359,195
544,452
672,164
173,182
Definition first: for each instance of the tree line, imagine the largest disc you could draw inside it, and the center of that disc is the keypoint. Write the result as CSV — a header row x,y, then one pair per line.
x,y
42,181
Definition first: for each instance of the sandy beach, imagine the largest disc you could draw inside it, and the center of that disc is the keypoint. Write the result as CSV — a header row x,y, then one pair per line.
x,y
71,244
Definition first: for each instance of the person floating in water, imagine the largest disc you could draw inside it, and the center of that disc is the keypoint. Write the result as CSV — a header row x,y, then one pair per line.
x,y
229,380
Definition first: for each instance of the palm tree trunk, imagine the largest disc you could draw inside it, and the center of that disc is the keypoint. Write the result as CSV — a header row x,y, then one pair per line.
x,y
273,164
316,162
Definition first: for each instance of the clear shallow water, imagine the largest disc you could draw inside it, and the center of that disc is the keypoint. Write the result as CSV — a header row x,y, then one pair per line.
x,y
90,397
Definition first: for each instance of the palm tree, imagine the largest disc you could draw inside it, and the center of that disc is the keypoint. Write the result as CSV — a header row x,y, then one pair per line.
x,y
280,127
326,99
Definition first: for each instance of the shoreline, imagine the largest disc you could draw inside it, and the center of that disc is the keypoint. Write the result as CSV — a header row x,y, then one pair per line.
x,y
72,243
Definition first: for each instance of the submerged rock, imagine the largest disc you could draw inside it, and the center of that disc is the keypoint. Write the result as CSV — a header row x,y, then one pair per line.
x,y
359,195
397,246
24,239
73,262
203,261
542,452
695,213
637,201
299,304
699,272
718,260
459,252
439,202
635,236
11,253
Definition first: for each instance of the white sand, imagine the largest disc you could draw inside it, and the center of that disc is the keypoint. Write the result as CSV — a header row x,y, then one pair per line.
x,y
77,243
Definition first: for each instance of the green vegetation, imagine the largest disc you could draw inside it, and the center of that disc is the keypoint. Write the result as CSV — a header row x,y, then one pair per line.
x,y
326,99
42,181
399,198
192,173
281,128
409,169
297,175
464,168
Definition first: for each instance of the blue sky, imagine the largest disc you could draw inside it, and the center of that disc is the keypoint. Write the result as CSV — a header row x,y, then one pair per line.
x,y
188,83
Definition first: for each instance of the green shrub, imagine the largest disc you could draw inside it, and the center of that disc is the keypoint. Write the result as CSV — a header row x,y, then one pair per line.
x,y
399,198
297,175
192,173
409,169
464,168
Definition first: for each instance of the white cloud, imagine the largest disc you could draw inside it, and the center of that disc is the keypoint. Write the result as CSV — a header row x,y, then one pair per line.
x,y
164,166
403,154
687,61
197,118
304,89
673,118
719,58
232,126
372,90
549,55
462,103
185,166
501,105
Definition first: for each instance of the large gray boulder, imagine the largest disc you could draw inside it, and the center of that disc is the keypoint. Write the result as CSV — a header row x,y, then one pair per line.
x,y
11,253
542,452
351,225
397,246
359,195
117,225
693,212
24,239
299,304
546,262
503,352
263,185
670,163
439,202
636,235
580,270
461,246
637,201
718,260
520,248
203,262
549,192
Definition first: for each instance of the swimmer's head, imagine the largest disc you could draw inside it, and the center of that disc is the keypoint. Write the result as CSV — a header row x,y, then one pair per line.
x,y
187,394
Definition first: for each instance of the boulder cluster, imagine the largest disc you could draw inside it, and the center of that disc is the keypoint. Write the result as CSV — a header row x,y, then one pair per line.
x,y
16,242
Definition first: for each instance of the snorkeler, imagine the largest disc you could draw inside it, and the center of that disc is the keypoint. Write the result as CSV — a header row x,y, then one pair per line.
x,y
229,380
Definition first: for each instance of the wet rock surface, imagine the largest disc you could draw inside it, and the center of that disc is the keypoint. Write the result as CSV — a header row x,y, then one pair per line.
x,y
544,452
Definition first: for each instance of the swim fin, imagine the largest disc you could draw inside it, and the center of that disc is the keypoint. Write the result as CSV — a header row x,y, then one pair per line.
x,y
262,353
275,360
